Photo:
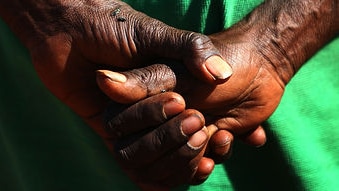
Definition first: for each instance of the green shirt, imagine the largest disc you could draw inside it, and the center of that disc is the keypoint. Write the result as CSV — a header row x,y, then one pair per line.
x,y
44,146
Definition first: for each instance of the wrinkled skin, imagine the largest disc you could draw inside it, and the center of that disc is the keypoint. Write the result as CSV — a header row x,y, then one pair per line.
x,y
239,106
69,40
243,102
66,49
264,54
148,153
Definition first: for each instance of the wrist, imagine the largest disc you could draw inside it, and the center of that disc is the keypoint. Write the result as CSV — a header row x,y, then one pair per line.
x,y
275,55
288,33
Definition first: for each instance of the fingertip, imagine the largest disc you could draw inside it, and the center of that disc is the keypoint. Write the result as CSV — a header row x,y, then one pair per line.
x,y
256,138
221,145
114,76
176,97
198,140
218,68
212,129
115,85
205,168
173,106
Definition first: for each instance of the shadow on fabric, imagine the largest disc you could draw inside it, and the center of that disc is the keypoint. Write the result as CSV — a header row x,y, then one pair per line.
x,y
265,168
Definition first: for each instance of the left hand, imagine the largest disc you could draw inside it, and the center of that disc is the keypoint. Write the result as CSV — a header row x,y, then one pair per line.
x,y
159,143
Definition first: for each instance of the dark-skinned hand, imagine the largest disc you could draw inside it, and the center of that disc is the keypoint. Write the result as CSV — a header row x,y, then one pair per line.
x,y
238,106
265,50
69,40
159,143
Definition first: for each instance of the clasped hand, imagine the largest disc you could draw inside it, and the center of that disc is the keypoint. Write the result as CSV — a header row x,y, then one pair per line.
x,y
237,106
70,40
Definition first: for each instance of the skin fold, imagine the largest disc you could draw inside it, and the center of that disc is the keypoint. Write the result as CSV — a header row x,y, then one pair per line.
x,y
265,51
69,40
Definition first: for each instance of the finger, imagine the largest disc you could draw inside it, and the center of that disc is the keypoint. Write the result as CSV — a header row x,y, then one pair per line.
x,y
220,145
178,167
205,168
147,113
136,151
151,80
143,82
130,37
195,50
256,138
205,165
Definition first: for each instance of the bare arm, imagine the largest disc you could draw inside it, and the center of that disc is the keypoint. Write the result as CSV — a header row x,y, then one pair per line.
x,y
288,32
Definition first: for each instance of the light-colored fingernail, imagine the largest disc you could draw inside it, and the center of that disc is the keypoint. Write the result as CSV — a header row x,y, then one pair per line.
x,y
172,107
198,139
114,76
191,125
211,130
223,142
218,68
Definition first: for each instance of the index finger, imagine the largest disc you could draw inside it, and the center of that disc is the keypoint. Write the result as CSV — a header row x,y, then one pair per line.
x,y
147,113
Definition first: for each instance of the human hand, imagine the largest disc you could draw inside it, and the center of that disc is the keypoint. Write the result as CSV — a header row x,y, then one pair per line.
x,y
265,50
153,79
159,143
239,105
69,40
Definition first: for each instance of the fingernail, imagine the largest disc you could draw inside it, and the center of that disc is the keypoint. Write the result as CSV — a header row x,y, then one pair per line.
x,y
191,125
218,68
114,76
212,129
172,107
223,148
198,139
223,142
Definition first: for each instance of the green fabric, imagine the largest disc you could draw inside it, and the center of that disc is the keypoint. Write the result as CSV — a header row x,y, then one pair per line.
x,y
44,146
306,123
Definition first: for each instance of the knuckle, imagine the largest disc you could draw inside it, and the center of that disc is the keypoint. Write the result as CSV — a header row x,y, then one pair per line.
x,y
114,118
199,41
161,78
150,114
124,154
202,46
159,139
113,126
127,157
154,78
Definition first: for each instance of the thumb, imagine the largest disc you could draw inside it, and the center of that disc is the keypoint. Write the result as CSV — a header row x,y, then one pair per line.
x,y
256,137
195,50
134,85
